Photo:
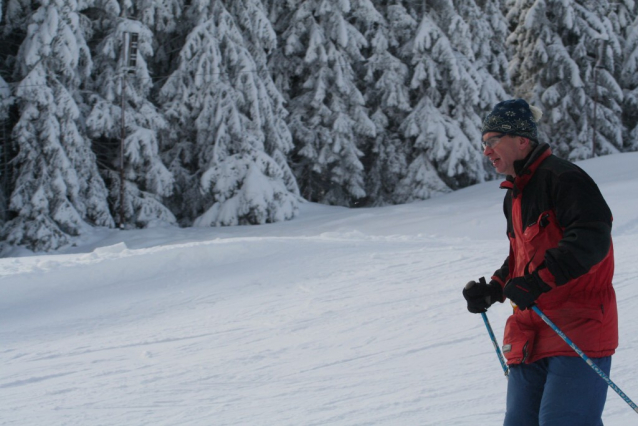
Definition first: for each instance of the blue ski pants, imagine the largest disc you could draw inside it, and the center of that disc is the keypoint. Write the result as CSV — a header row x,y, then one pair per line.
x,y
556,391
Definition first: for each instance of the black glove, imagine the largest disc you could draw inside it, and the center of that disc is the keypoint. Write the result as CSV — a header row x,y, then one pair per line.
x,y
525,290
480,295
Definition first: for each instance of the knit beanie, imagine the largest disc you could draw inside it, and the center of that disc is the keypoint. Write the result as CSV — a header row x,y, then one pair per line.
x,y
514,117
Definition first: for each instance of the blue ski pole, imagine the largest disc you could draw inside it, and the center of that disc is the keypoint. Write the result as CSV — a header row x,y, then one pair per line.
x,y
490,331
588,360
498,350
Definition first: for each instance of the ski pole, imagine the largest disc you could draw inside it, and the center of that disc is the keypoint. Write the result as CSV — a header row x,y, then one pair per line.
x,y
498,350
491,332
588,360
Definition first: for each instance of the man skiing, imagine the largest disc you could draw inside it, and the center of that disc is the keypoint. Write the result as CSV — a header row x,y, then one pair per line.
x,y
561,259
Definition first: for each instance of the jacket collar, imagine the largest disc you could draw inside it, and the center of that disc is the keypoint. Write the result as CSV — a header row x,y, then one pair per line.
x,y
525,168
529,164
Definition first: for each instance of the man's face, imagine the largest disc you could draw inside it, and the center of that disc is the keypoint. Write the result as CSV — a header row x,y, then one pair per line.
x,y
503,150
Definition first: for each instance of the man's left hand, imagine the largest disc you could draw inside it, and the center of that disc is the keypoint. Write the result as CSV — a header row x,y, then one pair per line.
x,y
525,290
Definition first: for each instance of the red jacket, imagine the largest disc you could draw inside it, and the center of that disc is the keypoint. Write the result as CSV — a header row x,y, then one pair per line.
x,y
560,225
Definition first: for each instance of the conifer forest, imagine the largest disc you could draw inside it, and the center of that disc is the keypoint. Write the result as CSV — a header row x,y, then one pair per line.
x,y
134,113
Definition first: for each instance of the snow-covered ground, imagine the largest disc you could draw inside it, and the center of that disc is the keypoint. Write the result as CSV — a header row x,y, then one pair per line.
x,y
339,317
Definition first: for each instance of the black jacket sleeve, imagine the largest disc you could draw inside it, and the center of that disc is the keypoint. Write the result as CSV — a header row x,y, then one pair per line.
x,y
585,218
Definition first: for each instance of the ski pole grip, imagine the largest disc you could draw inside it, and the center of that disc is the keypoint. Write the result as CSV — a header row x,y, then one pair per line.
x,y
469,285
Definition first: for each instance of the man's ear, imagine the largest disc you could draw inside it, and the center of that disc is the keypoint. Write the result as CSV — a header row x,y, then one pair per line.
x,y
524,143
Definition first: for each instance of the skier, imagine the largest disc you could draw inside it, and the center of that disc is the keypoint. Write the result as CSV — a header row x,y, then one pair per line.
x,y
561,259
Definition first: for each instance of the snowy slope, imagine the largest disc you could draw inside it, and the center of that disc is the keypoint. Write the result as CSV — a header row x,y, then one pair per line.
x,y
339,317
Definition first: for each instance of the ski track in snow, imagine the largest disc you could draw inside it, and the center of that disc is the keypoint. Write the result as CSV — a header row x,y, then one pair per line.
x,y
275,350
336,328
387,343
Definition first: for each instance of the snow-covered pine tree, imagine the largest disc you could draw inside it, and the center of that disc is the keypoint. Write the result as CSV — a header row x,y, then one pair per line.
x,y
5,102
444,123
488,29
387,96
5,94
165,20
261,41
162,16
58,191
117,85
629,81
328,120
564,59
223,120
488,32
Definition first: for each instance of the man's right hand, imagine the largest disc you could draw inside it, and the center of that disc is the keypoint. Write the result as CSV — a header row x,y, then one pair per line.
x,y
480,295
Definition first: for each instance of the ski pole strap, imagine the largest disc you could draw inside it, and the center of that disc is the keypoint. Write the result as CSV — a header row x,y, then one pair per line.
x,y
498,350
588,360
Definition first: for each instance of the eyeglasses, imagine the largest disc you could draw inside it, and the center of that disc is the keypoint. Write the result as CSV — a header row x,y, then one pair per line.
x,y
491,142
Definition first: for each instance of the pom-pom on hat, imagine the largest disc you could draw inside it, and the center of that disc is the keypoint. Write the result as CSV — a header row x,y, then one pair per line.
x,y
514,117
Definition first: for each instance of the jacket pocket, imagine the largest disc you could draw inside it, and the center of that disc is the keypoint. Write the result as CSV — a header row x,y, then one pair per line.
x,y
518,342
568,314
582,325
537,238
543,222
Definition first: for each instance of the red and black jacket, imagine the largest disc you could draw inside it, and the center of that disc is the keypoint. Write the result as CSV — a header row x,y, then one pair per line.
x,y
559,224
